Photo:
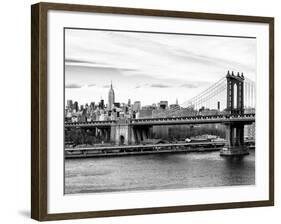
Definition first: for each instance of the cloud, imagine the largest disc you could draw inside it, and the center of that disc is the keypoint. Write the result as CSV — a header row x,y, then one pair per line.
x,y
156,85
159,86
72,86
98,65
72,60
163,61
194,85
131,53
144,85
189,85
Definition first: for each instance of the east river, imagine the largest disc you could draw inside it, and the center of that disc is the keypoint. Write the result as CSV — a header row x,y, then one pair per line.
x,y
157,171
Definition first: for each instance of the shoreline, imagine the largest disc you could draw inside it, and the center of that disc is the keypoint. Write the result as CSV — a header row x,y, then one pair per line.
x,y
87,152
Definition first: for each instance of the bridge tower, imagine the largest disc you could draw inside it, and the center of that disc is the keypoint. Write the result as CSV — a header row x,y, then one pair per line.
x,y
235,93
235,106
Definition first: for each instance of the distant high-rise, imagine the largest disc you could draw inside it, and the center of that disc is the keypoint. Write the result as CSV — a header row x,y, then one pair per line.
x,y
163,104
92,105
111,98
137,106
75,106
116,105
69,104
101,104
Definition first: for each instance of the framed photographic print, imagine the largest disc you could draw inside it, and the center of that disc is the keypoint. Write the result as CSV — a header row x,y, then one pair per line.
x,y
139,111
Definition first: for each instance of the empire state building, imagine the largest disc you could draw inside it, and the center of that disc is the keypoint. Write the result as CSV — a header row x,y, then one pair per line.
x,y
111,98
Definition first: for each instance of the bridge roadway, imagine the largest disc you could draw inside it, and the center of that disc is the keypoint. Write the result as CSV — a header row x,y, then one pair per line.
x,y
207,119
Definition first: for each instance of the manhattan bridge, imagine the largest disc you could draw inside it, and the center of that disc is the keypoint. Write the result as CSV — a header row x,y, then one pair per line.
x,y
232,97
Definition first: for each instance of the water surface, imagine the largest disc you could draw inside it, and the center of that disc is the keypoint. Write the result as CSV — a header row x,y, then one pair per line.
x,y
157,171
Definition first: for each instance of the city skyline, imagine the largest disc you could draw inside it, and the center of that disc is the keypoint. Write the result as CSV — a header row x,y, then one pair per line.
x,y
150,67
107,102
104,97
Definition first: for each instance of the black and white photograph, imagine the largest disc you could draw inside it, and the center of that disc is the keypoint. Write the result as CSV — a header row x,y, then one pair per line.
x,y
150,111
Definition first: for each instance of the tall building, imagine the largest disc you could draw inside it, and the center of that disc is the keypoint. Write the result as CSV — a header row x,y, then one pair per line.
x,y
75,106
69,104
137,106
111,98
116,105
92,105
163,104
101,104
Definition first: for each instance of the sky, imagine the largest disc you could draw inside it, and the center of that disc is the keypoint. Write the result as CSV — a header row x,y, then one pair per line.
x,y
150,67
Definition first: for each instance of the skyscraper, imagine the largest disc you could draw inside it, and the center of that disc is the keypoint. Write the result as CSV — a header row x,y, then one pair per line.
x,y
101,104
137,106
163,104
111,98
69,104
75,106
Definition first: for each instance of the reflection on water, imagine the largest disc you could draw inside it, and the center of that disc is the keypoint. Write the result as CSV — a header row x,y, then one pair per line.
x,y
157,171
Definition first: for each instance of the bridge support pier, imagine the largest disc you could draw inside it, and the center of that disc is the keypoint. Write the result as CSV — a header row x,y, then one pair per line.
x,y
122,133
234,141
141,133
138,135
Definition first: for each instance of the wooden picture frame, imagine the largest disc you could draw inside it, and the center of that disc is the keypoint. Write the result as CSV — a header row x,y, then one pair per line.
x,y
39,108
